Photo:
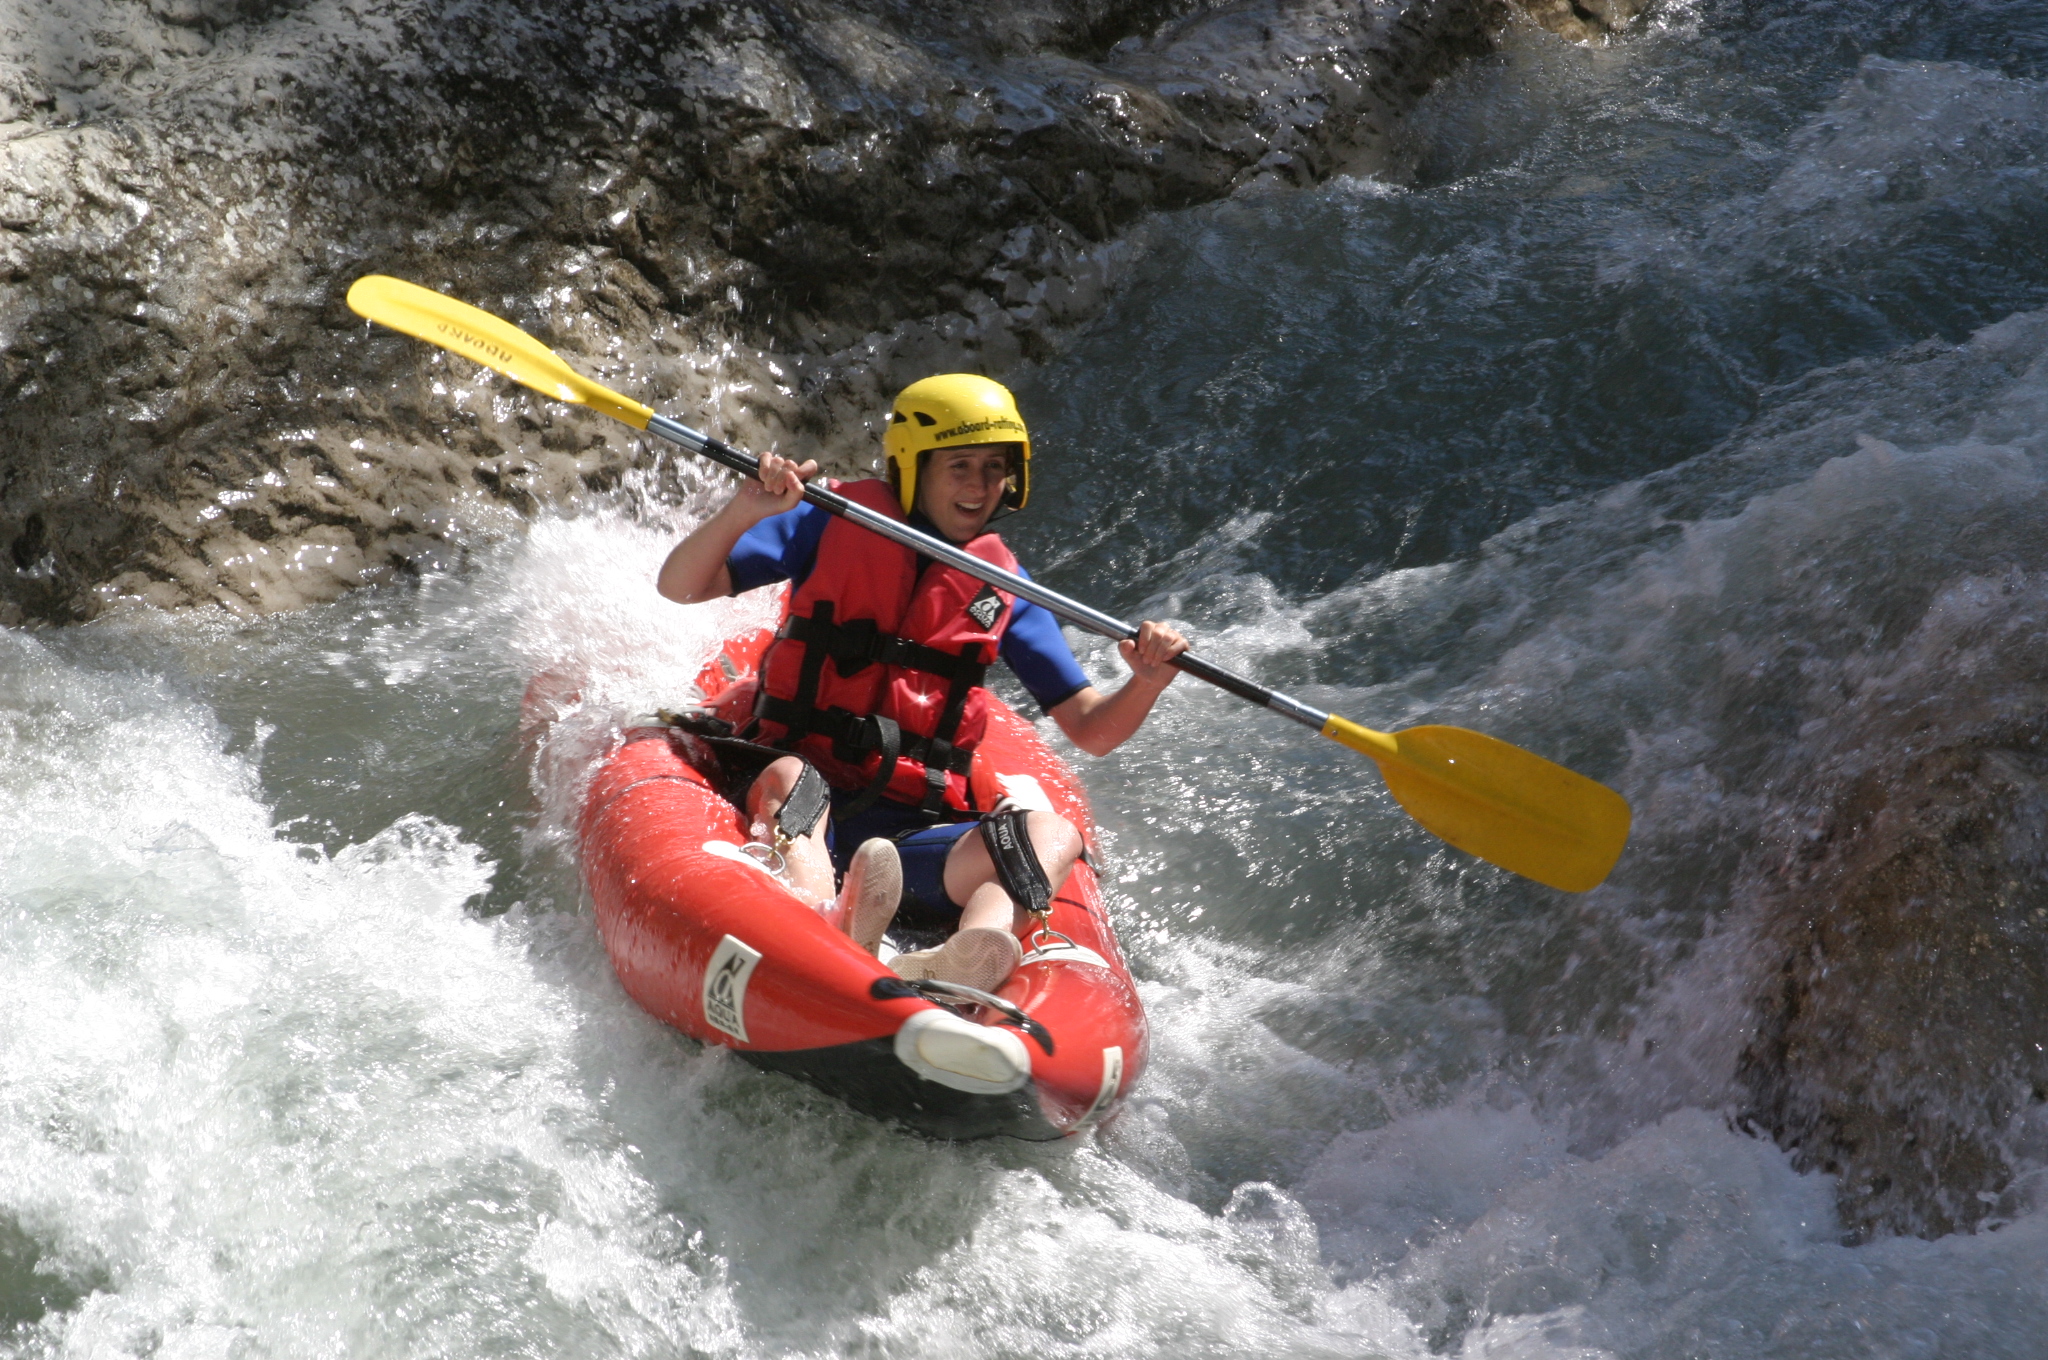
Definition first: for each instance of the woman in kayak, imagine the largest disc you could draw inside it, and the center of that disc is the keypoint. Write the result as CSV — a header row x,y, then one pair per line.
x,y
875,680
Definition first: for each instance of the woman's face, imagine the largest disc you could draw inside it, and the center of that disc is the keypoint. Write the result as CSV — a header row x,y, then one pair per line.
x,y
961,487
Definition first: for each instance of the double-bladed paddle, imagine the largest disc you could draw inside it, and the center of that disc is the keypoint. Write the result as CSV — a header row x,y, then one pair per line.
x,y
1497,801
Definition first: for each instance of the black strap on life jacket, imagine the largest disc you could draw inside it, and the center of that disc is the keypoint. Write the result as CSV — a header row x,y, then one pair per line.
x,y
860,643
797,711
943,753
888,738
855,737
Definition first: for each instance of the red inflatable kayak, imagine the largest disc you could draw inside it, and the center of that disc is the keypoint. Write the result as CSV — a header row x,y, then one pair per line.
x,y
705,938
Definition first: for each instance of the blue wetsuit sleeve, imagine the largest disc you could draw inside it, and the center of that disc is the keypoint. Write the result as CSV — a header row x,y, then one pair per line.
x,y
782,547
1037,652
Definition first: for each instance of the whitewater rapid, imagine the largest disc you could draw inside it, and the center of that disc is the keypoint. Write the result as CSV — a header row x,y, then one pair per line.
x,y
310,1048
268,1094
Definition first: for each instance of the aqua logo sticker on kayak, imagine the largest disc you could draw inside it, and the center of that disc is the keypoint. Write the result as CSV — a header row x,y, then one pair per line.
x,y
1105,1095
725,986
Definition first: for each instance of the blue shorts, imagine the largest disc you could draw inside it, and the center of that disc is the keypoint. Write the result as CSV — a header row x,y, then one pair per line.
x,y
922,845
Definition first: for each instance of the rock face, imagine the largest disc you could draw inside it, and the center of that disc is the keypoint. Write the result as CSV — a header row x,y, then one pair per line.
x,y
760,216
1898,1045
1584,20
1876,691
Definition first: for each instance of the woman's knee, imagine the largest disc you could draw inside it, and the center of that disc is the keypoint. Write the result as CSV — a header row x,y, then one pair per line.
x,y
1056,841
771,788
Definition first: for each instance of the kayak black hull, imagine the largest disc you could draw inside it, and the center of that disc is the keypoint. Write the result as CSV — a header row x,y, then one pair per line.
x,y
869,1077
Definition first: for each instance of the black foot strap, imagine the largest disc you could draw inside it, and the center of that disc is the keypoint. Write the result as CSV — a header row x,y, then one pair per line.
x,y
1017,866
798,816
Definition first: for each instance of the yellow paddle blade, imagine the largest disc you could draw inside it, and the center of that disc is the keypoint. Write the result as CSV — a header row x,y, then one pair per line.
x,y
1499,802
475,334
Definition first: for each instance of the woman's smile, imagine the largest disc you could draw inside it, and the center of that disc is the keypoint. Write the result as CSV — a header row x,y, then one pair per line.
x,y
960,488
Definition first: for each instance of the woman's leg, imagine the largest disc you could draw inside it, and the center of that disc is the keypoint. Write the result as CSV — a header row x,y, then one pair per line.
x,y
971,874
810,865
984,951
874,879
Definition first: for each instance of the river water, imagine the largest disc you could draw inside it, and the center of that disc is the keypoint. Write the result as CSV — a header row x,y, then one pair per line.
x,y
1680,415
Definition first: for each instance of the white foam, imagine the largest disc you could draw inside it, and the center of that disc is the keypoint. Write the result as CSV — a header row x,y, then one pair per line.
x,y
276,1101
270,1099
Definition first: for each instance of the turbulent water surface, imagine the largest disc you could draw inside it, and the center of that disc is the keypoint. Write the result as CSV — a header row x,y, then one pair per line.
x,y
1681,416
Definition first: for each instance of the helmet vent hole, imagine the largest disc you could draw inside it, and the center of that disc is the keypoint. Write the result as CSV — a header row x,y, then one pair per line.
x,y
897,418
924,419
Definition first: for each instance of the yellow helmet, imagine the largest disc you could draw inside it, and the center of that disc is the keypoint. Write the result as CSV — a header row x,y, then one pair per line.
x,y
950,410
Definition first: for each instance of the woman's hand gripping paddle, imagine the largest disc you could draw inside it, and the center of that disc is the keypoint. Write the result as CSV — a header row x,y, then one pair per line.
x,y
1494,800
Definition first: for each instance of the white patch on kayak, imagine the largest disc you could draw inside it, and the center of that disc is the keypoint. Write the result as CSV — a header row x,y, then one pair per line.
x,y
1064,951
725,986
727,850
1112,1077
1023,793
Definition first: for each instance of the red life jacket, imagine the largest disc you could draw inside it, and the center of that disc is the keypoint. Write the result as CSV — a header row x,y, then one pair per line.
x,y
876,674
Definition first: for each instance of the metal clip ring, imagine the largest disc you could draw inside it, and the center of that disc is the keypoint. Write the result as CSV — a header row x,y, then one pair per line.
x,y
768,857
1040,938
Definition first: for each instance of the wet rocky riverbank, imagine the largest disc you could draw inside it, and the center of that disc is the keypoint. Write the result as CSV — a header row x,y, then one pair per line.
x,y
759,216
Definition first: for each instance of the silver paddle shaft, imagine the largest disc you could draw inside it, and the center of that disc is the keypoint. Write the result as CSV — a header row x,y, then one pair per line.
x,y
1073,611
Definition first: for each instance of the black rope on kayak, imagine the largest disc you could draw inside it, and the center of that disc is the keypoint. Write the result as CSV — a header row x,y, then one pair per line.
x,y
740,762
955,996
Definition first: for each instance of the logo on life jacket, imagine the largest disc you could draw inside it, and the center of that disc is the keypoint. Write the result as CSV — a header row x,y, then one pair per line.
x,y
985,608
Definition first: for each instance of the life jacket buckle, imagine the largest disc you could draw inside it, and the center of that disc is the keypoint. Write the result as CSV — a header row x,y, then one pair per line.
x,y
854,737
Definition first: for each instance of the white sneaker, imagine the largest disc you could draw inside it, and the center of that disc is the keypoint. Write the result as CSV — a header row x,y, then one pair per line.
x,y
981,957
872,891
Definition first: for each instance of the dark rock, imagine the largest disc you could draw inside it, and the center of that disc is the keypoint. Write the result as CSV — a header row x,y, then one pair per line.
x,y
760,216
1900,1036
1584,21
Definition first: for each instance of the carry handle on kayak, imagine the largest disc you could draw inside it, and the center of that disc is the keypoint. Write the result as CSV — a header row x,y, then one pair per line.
x,y
1506,805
